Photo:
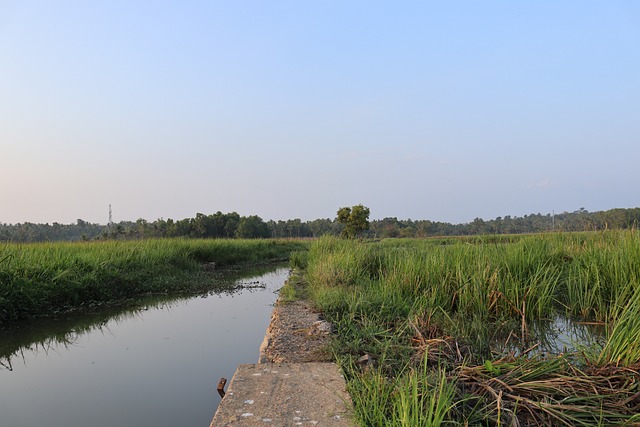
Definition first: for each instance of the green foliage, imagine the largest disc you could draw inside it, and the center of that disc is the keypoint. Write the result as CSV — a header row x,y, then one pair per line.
x,y
294,289
622,347
415,398
225,225
354,219
252,227
299,259
49,278
456,301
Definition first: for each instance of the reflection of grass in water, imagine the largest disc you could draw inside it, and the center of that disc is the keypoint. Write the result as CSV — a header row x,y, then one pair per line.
x,y
553,337
44,335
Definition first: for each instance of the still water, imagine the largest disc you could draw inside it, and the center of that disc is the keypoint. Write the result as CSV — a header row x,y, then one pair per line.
x,y
552,337
158,365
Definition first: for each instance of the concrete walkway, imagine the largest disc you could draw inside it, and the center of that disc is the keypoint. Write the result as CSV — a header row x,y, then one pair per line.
x,y
287,394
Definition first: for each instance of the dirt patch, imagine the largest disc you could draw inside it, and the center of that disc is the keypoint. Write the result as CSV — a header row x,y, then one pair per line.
x,y
297,334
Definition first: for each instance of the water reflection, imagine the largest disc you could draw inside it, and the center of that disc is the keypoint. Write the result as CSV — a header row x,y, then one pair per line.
x,y
560,335
43,335
155,363
51,334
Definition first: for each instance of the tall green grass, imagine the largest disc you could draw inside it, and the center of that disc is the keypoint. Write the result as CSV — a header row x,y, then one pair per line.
x,y
417,397
454,300
604,275
622,347
49,278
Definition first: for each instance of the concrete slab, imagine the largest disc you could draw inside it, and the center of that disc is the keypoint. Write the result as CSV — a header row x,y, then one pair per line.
x,y
288,394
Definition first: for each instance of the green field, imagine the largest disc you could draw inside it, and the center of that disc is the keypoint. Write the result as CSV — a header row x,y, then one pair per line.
x,y
452,328
45,279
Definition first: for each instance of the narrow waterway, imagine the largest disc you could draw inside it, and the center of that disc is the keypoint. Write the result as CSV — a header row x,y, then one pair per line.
x,y
154,366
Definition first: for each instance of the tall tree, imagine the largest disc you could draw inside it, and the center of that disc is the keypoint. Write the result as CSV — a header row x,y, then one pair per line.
x,y
355,220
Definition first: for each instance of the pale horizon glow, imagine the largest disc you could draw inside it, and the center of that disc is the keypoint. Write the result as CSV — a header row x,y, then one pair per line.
x,y
421,110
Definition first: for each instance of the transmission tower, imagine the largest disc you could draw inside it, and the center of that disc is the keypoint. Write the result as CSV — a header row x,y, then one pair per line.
x,y
110,216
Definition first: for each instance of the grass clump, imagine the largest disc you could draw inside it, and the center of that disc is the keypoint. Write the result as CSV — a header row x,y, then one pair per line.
x,y
416,397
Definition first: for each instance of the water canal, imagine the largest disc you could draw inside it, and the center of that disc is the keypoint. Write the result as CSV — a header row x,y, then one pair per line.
x,y
155,365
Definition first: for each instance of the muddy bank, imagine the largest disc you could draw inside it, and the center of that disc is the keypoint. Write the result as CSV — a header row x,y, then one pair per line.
x,y
296,334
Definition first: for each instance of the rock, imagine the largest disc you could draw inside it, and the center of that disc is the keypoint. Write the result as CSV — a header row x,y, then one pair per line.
x,y
323,326
366,361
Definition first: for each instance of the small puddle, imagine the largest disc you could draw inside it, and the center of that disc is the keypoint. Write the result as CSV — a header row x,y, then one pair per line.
x,y
555,337
154,365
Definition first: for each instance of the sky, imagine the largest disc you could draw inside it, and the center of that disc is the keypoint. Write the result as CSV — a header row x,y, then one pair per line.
x,y
446,111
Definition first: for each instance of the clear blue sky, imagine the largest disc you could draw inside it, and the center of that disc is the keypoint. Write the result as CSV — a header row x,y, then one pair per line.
x,y
291,109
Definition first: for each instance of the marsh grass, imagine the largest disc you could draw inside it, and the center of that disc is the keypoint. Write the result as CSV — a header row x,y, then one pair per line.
x,y
451,301
51,278
415,397
603,276
622,347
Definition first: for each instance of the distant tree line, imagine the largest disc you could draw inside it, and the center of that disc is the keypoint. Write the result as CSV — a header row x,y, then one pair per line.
x,y
580,220
232,225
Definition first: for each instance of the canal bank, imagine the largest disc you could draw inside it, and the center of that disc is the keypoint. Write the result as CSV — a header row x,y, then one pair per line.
x,y
294,382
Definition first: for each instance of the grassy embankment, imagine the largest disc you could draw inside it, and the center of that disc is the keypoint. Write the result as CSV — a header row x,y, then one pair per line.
x,y
49,278
433,313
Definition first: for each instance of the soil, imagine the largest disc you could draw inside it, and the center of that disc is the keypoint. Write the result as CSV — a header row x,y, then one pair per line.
x,y
297,334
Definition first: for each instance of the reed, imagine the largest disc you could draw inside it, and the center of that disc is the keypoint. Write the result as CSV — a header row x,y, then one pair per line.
x,y
604,274
415,398
450,301
50,278
622,347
